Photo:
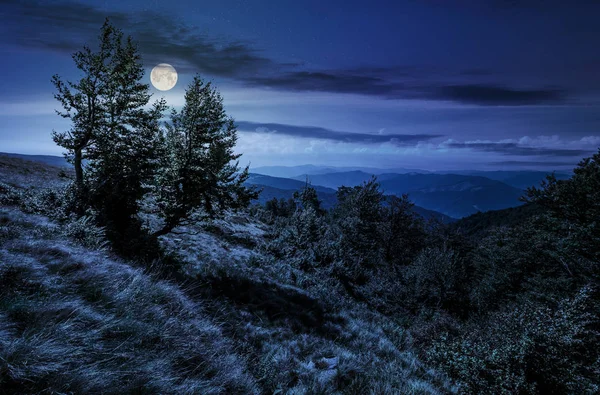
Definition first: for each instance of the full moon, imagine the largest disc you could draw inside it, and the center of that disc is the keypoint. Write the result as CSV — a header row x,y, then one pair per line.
x,y
163,76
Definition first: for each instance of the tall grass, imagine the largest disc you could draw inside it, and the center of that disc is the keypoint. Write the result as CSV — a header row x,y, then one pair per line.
x,y
76,321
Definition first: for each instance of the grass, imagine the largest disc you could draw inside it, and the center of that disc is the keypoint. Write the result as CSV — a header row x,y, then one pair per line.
x,y
79,321
75,319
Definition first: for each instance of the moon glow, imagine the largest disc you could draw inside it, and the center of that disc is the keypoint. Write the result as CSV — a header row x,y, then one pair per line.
x,y
163,77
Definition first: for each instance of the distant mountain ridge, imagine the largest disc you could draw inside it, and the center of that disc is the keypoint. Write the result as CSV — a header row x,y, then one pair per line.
x,y
281,188
57,161
454,195
284,183
518,179
302,170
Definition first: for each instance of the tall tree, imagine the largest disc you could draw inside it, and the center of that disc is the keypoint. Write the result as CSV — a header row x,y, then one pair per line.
x,y
82,101
112,130
126,156
200,175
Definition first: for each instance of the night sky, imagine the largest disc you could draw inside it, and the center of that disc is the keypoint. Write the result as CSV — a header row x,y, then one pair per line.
x,y
429,84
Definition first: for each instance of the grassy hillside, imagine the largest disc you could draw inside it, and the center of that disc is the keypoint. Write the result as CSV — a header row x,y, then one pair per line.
x,y
364,299
56,161
234,320
74,320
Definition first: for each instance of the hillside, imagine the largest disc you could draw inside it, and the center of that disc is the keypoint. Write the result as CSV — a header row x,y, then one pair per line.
x,y
17,171
480,224
76,318
521,179
56,161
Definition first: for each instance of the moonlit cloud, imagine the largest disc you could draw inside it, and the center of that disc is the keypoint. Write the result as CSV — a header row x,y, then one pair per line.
x,y
66,26
304,90
315,132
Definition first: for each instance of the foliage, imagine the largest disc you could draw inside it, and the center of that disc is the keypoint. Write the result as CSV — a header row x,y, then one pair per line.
x,y
358,215
307,198
85,232
279,208
436,280
112,130
527,349
197,178
402,232
575,205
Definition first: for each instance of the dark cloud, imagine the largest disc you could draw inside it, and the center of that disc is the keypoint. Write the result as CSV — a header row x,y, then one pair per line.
x,y
328,134
335,82
510,5
382,83
537,5
516,149
495,95
66,26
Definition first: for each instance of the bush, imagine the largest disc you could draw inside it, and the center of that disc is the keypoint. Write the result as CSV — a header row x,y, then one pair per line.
x,y
529,349
437,280
84,231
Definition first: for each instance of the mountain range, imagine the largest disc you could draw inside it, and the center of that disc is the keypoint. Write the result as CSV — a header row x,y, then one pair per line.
x,y
452,195
445,195
284,188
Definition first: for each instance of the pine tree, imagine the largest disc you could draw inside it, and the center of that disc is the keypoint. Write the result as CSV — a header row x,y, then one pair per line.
x,y
199,176
359,216
112,130
83,102
401,230
307,198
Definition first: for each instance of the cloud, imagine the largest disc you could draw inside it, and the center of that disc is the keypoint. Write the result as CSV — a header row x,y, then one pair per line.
x,y
316,132
541,146
403,83
335,82
495,95
66,26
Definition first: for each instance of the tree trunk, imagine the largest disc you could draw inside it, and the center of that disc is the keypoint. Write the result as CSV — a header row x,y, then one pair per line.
x,y
78,169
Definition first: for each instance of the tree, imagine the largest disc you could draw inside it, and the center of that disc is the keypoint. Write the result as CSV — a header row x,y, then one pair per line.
x,y
199,176
573,209
83,101
307,198
126,156
112,130
280,208
359,215
401,230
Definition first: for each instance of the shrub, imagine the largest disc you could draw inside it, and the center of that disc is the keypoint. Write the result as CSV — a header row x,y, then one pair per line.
x,y
84,231
437,280
528,349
